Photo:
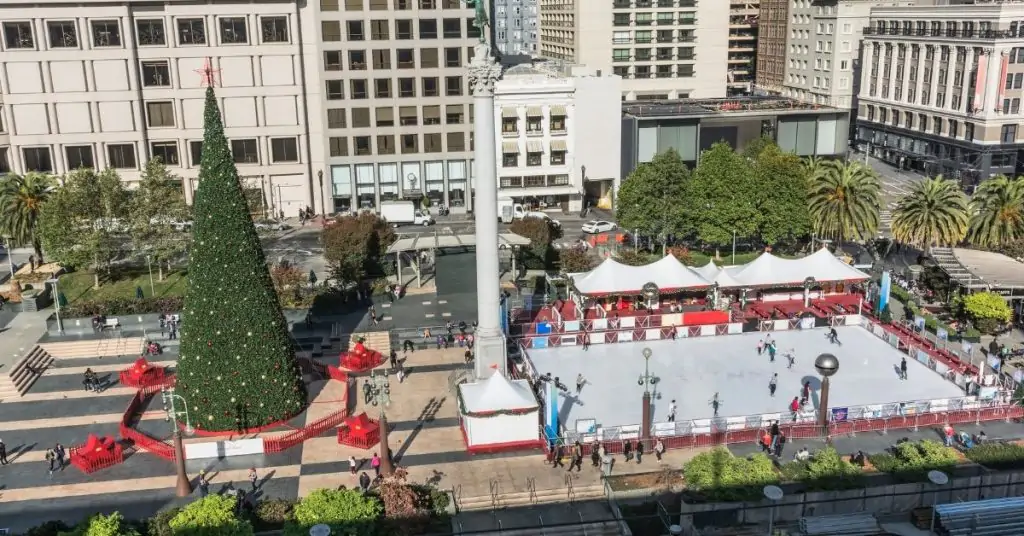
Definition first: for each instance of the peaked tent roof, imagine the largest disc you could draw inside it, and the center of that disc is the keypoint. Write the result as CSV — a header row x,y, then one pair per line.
x,y
497,393
612,277
824,266
768,270
709,271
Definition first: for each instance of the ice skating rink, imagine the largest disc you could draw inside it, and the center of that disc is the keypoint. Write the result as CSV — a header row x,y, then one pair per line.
x,y
692,370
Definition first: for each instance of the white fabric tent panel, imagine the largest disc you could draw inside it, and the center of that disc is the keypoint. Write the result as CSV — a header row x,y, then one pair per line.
x,y
612,277
497,393
499,429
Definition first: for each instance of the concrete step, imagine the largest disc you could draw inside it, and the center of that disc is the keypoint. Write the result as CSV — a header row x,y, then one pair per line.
x,y
107,347
522,498
589,529
24,373
375,340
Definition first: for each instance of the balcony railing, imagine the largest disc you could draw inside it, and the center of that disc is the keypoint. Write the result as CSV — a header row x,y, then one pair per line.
x,y
943,32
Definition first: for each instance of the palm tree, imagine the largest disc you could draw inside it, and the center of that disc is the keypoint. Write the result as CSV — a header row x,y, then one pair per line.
x,y
21,200
934,212
844,198
813,166
997,212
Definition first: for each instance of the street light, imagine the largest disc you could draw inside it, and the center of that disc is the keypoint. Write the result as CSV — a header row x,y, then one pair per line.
x,y
379,394
184,488
323,205
826,365
939,479
773,494
56,300
149,264
10,257
646,380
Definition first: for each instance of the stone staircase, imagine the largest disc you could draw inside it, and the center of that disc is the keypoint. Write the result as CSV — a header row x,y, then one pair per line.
x,y
105,347
24,373
519,499
599,528
375,340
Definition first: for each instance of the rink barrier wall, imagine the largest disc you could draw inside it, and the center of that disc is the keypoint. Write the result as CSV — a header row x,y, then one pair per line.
x,y
558,326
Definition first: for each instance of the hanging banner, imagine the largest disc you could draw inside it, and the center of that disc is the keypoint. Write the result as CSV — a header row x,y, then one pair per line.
x,y
840,414
942,334
551,418
883,291
919,323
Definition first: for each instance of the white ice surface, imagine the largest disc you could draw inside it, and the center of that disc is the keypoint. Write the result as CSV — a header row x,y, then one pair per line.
x,y
692,370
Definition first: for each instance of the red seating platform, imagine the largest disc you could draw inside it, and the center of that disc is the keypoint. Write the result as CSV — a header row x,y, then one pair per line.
x,y
141,374
97,453
360,358
359,431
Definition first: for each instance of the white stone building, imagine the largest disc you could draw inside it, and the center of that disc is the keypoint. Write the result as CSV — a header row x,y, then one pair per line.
x,y
559,136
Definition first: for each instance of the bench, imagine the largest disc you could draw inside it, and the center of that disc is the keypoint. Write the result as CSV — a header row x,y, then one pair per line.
x,y
111,323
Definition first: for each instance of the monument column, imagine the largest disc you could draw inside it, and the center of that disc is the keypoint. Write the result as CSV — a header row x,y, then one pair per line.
x,y
489,347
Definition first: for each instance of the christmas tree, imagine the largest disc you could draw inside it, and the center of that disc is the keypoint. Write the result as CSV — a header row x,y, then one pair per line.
x,y
236,367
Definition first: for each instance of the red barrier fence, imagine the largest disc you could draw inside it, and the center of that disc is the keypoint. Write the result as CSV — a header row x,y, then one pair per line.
x,y
289,440
141,440
97,453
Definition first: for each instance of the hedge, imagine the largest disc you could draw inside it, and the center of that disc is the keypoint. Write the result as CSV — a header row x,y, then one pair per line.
x,y
911,461
717,475
123,306
997,455
931,323
827,470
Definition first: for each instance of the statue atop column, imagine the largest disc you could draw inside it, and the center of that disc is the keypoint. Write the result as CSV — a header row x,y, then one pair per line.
x,y
484,71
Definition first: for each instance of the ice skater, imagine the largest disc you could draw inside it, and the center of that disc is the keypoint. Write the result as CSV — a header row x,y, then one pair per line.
x,y
791,358
833,337
903,369
773,384
760,346
580,382
672,411
771,352
715,403
794,408
805,394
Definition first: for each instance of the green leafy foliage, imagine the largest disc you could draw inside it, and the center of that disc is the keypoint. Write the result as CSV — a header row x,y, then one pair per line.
x,y
103,525
827,470
779,195
997,455
22,198
83,224
355,245
291,285
122,306
717,475
49,528
213,515
635,257
886,315
157,215
348,512
160,524
988,310
652,199
721,196
575,260
541,232
911,461
236,367
997,212
272,514
933,213
844,200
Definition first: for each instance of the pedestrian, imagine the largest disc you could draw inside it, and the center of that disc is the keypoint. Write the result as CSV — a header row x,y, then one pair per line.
x,y
577,457
627,450
773,384
794,407
760,346
805,393
766,441
715,403
639,451
204,484
375,464
373,316
401,374
556,457
771,353
3,453
595,454
586,340
659,449
51,459
163,324
352,465
780,444
440,341
903,369
59,451
947,434
393,358
87,380
580,382
775,433
791,357
253,477
672,411
833,336
172,329
364,482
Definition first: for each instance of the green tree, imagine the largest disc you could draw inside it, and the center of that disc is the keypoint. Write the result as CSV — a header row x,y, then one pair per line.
x,y
101,525
541,232
780,195
987,310
756,147
158,216
348,512
236,367
83,223
355,247
722,196
213,515
997,212
21,201
652,197
933,213
575,260
634,258
844,200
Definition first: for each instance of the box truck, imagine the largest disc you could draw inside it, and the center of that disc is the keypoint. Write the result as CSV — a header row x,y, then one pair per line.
x,y
404,212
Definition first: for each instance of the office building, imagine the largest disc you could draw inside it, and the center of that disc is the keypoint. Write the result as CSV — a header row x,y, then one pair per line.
x,y
772,32
662,49
515,31
558,135
743,35
941,89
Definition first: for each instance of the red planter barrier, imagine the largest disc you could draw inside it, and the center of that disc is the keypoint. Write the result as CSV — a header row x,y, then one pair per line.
x,y
142,374
97,453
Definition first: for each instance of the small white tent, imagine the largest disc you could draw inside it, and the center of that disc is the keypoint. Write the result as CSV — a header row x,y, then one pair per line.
x,y
612,278
499,414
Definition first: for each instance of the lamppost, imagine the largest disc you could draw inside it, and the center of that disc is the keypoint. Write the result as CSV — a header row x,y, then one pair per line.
x,y
184,488
826,365
939,479
773,494
379,394
56,301
149,264
10,257
646,380
323,205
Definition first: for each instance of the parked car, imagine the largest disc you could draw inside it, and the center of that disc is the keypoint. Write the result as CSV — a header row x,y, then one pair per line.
x,y
270,225
598,226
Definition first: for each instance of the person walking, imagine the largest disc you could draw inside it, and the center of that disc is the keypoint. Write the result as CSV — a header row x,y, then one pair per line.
x,y
833,337
672,411
805,393
760,346
3,453
595,454
253,478
556,456
393,358
163,324
903,368
51,459
791,357
353,465
715,403
771,352
364,482
659,449
172,329
577,457
775,434
580,382
794,407
780,444
59,451
773,384
627,450
639,451
375,464
586,340
204,484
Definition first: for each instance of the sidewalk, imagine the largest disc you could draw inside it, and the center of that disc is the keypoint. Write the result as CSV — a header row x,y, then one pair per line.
x,y
20,336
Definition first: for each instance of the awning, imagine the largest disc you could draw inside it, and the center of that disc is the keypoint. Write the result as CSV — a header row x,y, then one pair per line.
x,y
510,147
558,110
509,113
558,145
534,146
534,111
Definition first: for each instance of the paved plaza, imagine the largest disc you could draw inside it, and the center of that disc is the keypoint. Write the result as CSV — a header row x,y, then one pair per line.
x,y
692,370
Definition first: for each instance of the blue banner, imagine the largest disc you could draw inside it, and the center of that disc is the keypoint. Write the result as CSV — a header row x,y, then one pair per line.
x,y
883,291
551,418
840,414
919,323
503,314
942,334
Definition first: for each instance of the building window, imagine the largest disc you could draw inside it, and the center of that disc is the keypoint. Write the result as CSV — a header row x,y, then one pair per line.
x,y
379,30
406,87
151,32
557,158
382,88
385,144
510,125
363,146
534,157
159,114
336,118
166,151
534,123
196,152
407,116
79,156
534,181
360,117
191,32
453,86
385,116
410,144
456,141
430,87
359,89
338,146
428,29
330,31
106,33
332,60
156,74
381,58
510,159
62,34
233,31
335,90
353,5
245,151
274,29
452,28
5,163
284,150
453,57
557,122
1008,134
428,58
403,29
121,156
37,159
406,58
432,143
18,35
454,115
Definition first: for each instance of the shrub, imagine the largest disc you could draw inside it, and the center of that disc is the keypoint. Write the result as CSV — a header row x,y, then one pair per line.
x,y
159,525
123,306
987,310
826,471
911,461
885,316
997,455
101,525
213,515
348,512
717,475
273,513
682,254
404,508
634,258
50,528
575,260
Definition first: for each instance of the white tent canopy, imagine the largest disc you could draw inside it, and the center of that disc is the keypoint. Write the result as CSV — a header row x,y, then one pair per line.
x,y
769,270
497,393
612,277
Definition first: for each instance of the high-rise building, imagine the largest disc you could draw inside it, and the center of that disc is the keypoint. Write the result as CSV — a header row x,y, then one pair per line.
x,y
743,35
772,26
941,89
515,29
662,49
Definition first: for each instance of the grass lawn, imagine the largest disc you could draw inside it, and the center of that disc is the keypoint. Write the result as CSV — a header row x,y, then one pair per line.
x,y
78,286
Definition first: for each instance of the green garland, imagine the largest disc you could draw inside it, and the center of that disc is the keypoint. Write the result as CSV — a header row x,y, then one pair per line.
x,y
490,414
